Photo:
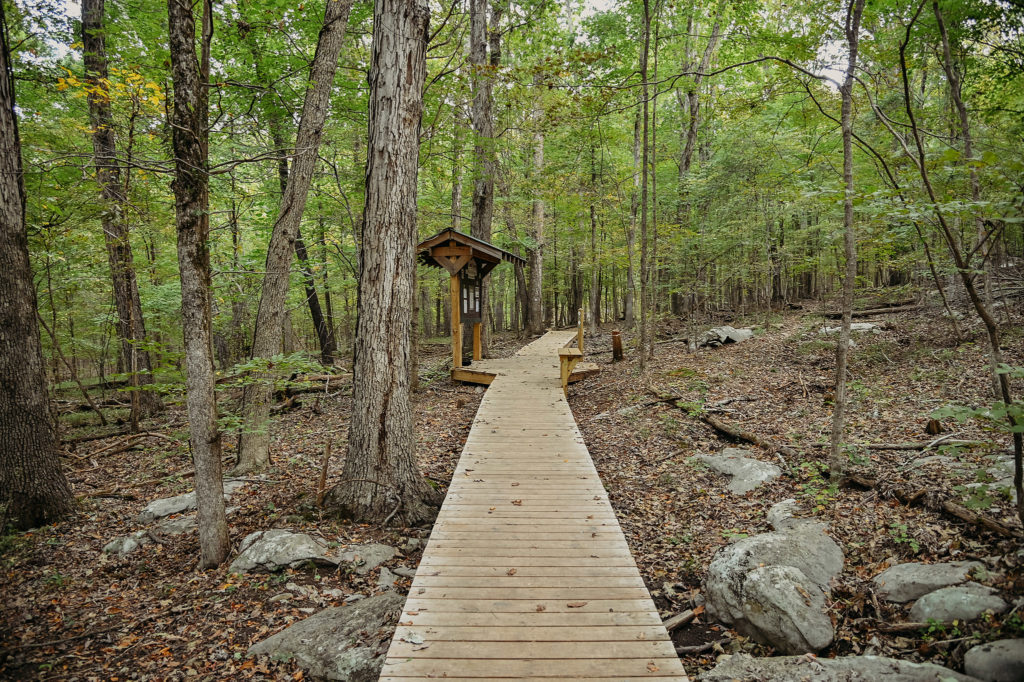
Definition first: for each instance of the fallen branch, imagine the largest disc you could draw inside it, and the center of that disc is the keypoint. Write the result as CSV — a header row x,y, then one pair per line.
x,y
951,508
910,446
700,648
679,620
832,315
748,436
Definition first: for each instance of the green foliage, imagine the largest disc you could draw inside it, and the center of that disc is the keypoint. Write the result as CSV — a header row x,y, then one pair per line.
x,y
900,535
997,415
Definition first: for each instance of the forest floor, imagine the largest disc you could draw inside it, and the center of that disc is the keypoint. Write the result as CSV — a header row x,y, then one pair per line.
x,y
72,612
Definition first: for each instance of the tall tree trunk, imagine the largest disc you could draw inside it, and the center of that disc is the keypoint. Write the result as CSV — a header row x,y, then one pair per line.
x,y
324,335
33,488
981,240
191,204
381,480
629,296
837,459
535,287
459,123
131,328
483,127
645,275
595,290
254,444
965,270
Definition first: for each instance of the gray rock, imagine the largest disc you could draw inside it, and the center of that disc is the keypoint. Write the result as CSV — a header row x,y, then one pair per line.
x,y
365,558
339,643
907,582
182,524
272,550
157,509
386,579
804,546
745,668
747,473
784,608
965,602
725,334
126,544
1001,661
780,514
405,572
854,327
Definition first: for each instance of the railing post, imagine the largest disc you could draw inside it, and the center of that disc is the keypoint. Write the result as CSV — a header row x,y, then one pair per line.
x,y
579,331
456,323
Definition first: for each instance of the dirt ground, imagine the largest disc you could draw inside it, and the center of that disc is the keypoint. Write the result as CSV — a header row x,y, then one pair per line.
x,y
71,612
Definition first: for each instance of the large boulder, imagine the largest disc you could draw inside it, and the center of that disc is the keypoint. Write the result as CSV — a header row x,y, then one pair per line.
x,y
907,582
340,643
804,546
157,509
745,668
747,473
786,609
365,558
272,550
772,586
725,334
1001,661
964,602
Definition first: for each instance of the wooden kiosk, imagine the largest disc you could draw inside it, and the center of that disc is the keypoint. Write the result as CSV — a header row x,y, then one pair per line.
x,y
467,260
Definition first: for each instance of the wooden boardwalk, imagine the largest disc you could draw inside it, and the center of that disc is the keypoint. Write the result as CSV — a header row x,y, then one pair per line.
x,y
527,573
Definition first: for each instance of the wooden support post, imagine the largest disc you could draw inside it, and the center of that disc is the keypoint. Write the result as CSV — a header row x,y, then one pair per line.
x,y
456,323
477,354
567,359
616,346
579,331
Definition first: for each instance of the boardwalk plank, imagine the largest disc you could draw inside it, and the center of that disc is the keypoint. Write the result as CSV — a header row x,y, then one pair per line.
x,y
527,574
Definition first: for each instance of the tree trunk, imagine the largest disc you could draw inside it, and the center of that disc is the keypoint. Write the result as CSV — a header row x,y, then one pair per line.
x,y
189,128
629,314
535,286
33,488
381,480
837,460
131,328
645,275
254,444
967,276
483,127
981,241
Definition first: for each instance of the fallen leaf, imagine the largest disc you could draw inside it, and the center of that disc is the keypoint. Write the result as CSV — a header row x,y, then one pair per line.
x,y
518,503
576,604
511,571
541,607
653,668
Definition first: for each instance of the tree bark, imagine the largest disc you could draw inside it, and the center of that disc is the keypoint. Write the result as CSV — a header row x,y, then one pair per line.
x,y
189,128
965,272
645,275
33,488
837,460
629,296
381,480
254,444
131,328
483,127
535,286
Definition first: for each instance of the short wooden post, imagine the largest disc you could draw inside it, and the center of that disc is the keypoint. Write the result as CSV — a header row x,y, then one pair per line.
x,y
579,331
567,359
456,323
477,354
616,346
